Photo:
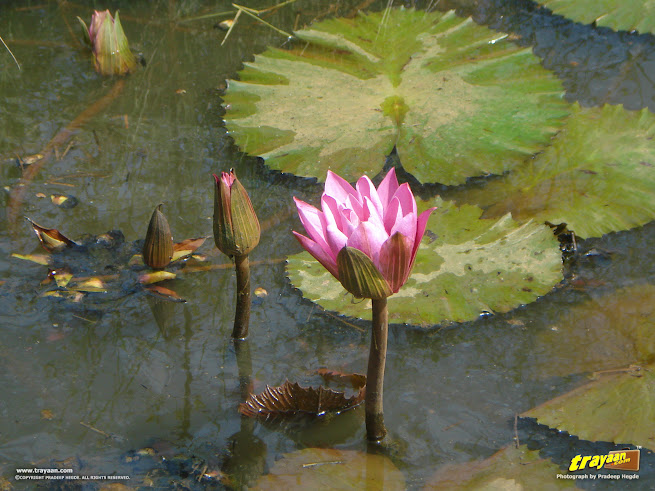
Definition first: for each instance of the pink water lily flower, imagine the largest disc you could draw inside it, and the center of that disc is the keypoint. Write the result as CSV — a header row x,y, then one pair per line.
x,y
383,223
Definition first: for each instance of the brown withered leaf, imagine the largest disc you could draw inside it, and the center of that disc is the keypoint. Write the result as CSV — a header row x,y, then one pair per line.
x,y
291,400
357,380
186,247
51,239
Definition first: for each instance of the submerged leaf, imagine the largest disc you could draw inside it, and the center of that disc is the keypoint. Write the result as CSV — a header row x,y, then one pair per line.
x,y
292,400
42,259
91,285
166,293
597,176
618,407
357,380
156,276
51,239
508,469
455,99
472,267
328,468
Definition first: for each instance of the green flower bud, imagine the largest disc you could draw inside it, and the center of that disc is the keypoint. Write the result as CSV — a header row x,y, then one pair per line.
x,y
359,276
158,247
110,47
236,227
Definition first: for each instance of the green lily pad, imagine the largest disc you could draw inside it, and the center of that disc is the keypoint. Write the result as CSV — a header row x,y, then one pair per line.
x,y
457,100
465,266
598,176
614,330
510,468
328,468
618,407
625,15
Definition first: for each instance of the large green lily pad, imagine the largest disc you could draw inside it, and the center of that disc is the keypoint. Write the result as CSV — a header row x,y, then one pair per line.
x,y
328,468
617,407
625,15
473,266
510,468
456,99
614,331
598,176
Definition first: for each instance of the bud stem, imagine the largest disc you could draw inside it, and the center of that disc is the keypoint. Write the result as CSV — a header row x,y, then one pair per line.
x,y
242,314
377,357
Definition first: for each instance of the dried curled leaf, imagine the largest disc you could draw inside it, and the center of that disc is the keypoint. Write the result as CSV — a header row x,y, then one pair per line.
x,y
292,400
51,239
357,380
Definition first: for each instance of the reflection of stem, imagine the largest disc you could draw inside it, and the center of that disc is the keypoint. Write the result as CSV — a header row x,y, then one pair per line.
x,y
242,314
186,365
375,429
60,139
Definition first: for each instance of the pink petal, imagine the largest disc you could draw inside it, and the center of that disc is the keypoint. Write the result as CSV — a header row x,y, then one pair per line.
x,y
333,216
406,226
388,187
366,189
422,222
319,254
392,214
369,239
313,221
395,260
406,198
373,217
338,187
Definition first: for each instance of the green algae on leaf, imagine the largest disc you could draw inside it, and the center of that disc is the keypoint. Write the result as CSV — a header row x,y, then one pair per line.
x,y
618,407
620,15
510,468
598,176
456,100
329,468
465,266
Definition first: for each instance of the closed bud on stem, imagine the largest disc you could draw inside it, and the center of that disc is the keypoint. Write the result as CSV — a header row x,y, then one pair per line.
x,y
110,47
236,227
158,247
359,276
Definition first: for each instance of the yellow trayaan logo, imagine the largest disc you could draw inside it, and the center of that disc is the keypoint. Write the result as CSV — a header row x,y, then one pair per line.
x,y
618,460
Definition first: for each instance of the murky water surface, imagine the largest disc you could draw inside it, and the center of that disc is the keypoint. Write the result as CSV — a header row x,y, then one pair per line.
x,y
85,384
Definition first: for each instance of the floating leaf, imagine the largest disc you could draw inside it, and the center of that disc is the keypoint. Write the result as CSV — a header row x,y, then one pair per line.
x,y
456,99
41,259
618,407
63,200
624,15
473,266
292,399
597,177
166,293
91,285
508,469
186,247
156,276
260,292
62,276
47,414
619,326
357,380
51,239
328,468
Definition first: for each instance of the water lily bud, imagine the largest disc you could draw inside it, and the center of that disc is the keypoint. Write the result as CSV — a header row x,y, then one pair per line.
x,y
110,47
236,227
359,276
158,247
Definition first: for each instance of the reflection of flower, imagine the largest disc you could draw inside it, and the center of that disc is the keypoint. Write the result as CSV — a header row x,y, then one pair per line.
x,y
110,48
236,227
381,223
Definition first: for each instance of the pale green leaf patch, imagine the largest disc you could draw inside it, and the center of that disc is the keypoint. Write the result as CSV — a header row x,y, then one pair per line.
x,y
457,100
623,15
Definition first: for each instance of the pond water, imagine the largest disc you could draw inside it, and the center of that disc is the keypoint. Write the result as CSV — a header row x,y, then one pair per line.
x,y
86,384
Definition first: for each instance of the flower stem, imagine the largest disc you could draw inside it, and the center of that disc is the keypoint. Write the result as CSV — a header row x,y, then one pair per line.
x,y
242,314
375,429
